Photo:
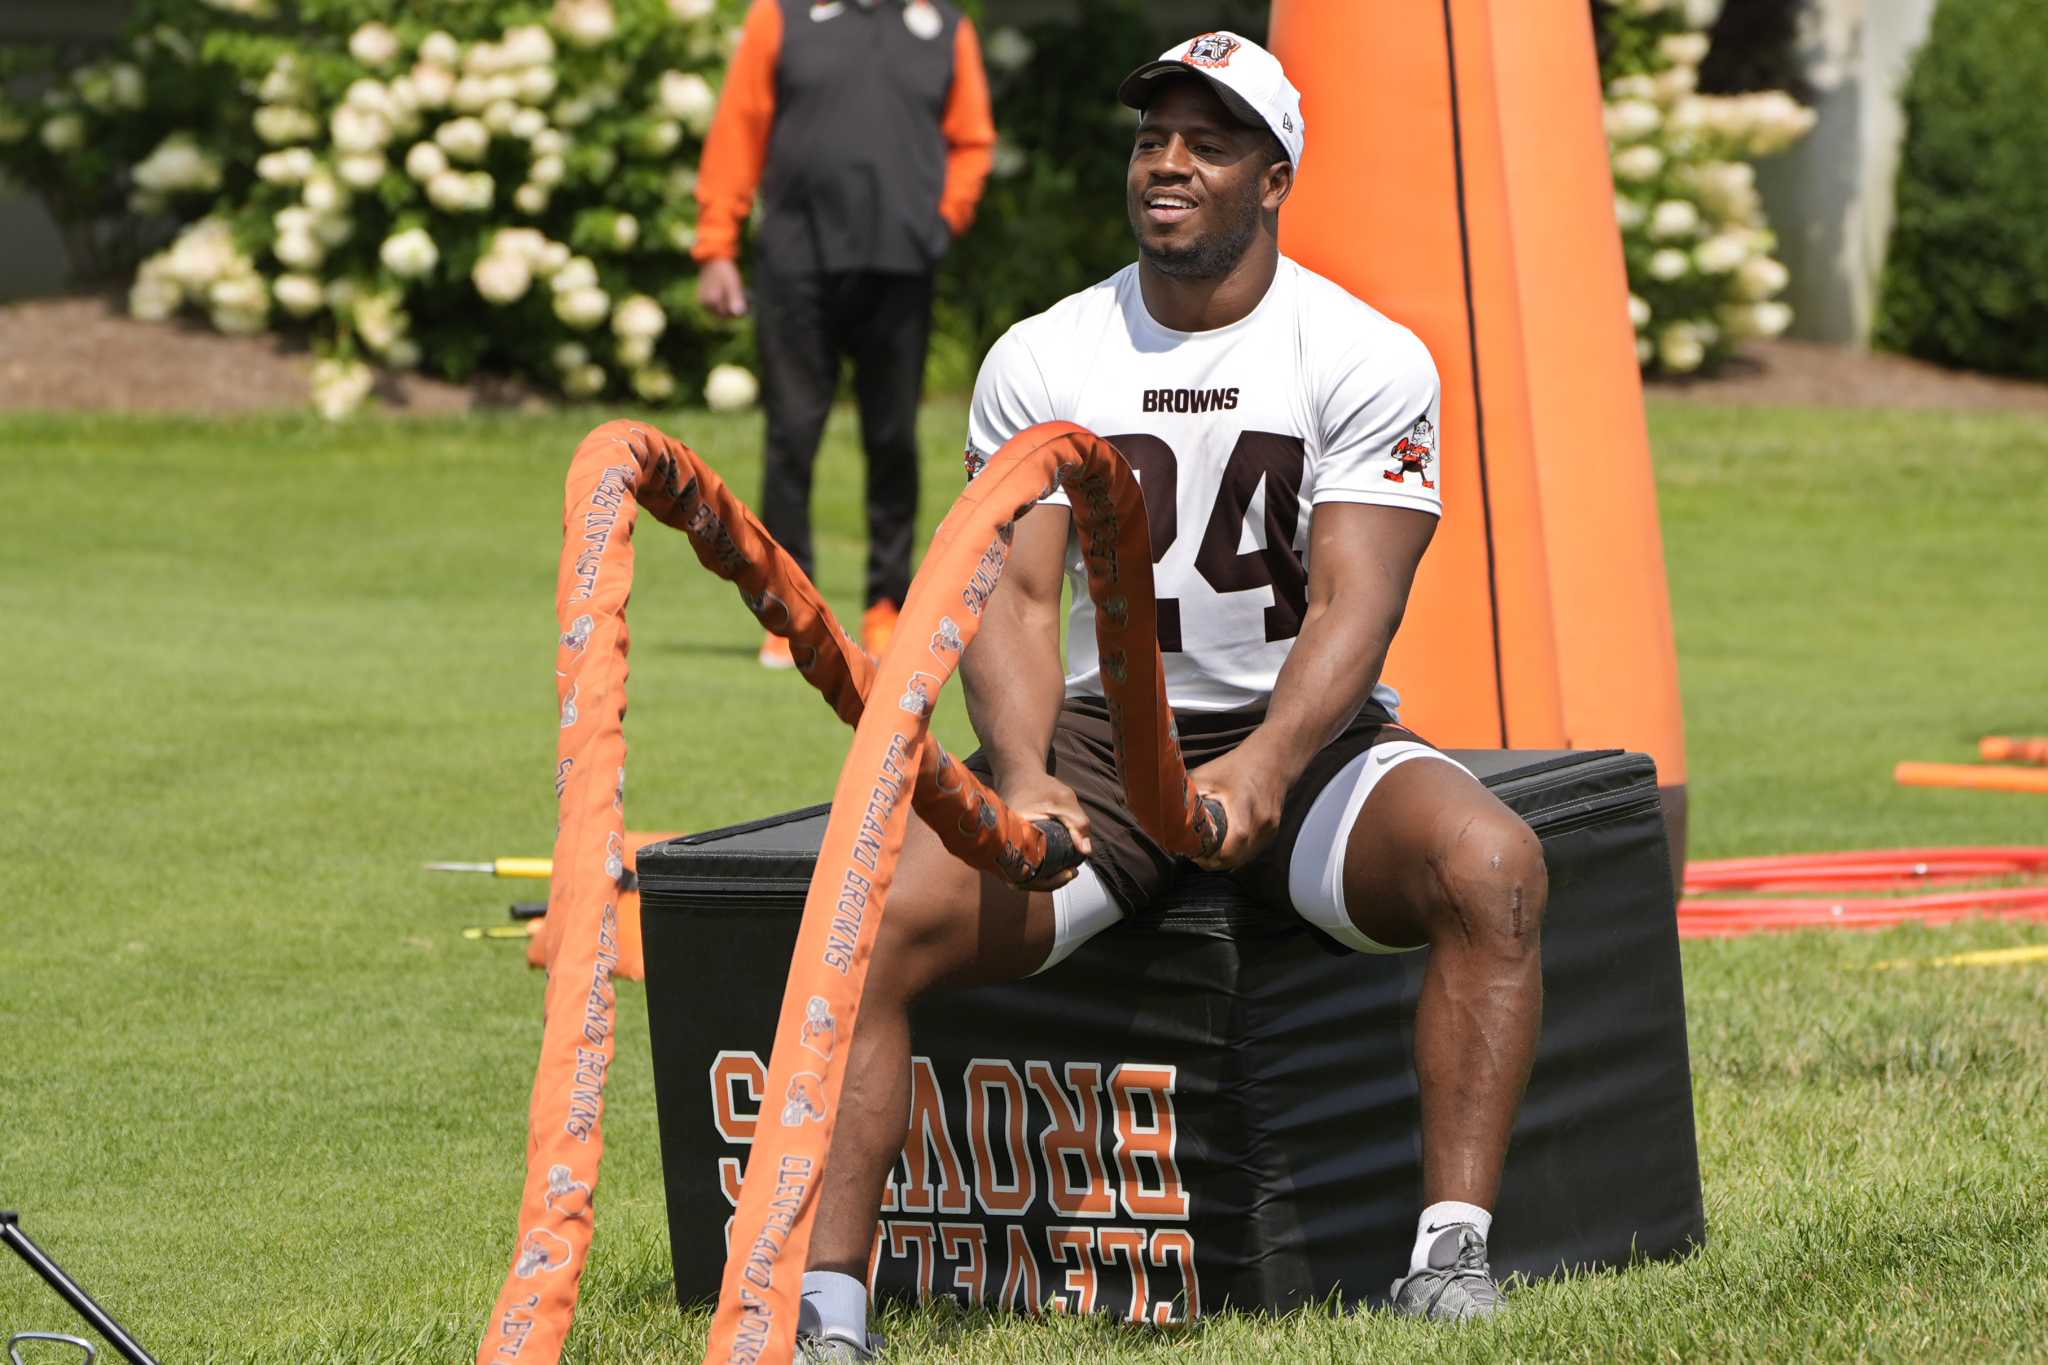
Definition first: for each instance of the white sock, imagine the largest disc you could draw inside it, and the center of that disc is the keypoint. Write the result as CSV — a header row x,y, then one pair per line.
x,y
1431,1226
834,1305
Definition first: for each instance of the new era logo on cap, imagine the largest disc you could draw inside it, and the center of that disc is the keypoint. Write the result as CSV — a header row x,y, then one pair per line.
x,y
1249,79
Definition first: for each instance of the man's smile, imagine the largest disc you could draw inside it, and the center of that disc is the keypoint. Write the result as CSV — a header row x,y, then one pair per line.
x,y
1166,207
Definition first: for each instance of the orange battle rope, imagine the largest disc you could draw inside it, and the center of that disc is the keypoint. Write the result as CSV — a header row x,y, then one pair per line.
x,y
619,468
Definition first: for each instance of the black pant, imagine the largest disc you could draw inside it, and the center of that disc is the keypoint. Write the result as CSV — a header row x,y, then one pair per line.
x,y
804,324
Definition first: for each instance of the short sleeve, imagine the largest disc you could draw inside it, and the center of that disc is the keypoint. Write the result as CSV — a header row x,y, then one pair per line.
x,y
1010,394
1379,415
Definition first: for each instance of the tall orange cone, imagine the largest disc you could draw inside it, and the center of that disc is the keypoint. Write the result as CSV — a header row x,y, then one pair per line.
x,y
1456,178
1617,658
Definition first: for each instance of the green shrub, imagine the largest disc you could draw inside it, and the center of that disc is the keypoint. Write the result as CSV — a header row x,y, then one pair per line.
x,y
1052,218
1966,280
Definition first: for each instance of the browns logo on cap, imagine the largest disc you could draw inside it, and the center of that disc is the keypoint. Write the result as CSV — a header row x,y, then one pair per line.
x,y
1248,79
1211,49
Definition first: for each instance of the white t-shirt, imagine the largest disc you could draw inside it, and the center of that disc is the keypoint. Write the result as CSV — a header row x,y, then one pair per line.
x,y
1312,397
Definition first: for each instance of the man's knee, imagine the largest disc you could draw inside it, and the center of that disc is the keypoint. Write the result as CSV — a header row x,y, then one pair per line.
x,y
919,945
1491,884
941,927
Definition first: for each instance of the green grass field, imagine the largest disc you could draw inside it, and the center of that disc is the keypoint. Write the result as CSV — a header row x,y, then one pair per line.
x,y
261,1097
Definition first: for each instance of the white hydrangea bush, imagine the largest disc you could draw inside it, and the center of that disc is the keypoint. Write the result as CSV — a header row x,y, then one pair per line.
x,y
434,184
1701,274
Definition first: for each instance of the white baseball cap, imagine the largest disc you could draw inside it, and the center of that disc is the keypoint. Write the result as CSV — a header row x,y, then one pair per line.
x,y
1246,76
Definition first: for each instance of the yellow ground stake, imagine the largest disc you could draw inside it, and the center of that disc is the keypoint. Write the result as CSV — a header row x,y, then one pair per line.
x,y
1988,957
538,868
511,931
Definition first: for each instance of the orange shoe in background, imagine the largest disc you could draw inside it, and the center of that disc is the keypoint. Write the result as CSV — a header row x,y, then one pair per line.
x,y
878,627
775,653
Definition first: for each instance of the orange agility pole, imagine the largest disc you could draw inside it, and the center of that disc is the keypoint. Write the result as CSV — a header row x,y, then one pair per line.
x,y
1458,179
2006,749
771,1231
1971,776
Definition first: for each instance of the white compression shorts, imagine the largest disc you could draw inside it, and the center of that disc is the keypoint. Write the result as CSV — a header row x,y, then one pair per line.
x,y
1084,907
1081,909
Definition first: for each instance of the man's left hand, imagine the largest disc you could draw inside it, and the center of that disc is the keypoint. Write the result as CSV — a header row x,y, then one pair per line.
x,y
1252,795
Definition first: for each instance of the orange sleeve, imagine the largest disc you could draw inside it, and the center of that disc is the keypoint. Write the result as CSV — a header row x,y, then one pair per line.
x,y
970,129
737,147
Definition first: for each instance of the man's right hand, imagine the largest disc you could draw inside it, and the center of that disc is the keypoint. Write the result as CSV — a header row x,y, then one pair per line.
x,y
720,289
1039,796
1013,678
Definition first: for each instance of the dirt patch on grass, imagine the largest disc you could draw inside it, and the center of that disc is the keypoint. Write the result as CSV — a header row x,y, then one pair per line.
x,y
1833,377
84,354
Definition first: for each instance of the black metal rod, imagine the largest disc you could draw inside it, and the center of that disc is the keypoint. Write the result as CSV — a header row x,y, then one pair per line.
x,y
101,1320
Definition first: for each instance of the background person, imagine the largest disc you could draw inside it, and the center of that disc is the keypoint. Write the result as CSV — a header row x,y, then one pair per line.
x,y
866,127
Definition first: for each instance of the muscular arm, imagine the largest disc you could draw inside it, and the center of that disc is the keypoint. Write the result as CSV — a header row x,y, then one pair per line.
x,y
1012,670
1014,674
1362,561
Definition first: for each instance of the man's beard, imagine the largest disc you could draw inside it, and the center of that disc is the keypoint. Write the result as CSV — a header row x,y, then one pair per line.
x,y
1213,257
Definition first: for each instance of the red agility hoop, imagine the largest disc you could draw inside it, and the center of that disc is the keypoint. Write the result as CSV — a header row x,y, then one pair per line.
x,y
1863,868
1872,871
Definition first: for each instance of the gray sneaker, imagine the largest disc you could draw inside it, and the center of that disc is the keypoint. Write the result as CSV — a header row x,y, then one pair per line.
x,y
1456,1285
830,1350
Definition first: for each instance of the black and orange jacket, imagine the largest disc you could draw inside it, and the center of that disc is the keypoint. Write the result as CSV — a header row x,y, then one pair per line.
x,y
865,126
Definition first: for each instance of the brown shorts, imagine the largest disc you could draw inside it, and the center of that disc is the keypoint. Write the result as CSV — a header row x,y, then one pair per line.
x,y
1131,864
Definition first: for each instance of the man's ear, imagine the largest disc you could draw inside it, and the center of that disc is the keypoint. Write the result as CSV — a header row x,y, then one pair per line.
x,y
1279,183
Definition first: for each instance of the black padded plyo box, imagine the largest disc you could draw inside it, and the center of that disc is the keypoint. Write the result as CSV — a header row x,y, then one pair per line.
x,y
1208,1105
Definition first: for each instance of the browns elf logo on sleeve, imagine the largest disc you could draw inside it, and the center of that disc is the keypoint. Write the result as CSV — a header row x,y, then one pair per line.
x,y
1413,454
